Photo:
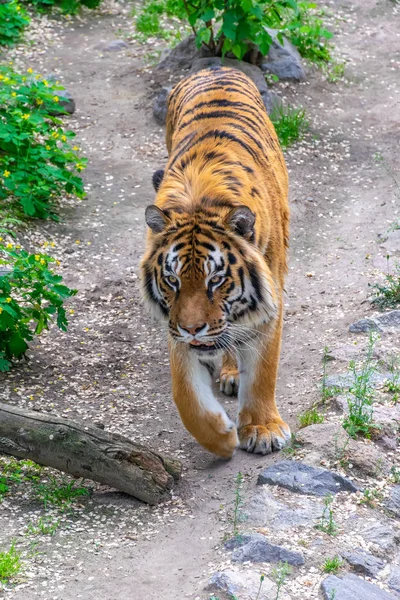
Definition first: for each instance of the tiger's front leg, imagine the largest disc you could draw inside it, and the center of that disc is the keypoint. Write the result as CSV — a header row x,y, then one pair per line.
x,y
200,411
260,426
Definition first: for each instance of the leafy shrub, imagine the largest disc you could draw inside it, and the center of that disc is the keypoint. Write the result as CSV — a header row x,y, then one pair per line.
x,y
236,26
13,20
290,124
31,296
70,7
387,293
37,162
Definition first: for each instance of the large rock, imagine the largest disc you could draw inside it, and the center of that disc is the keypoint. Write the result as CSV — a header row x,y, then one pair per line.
x,y
394,579
243,585
264,510
253,72
346,380
351,587
364,562
393,503
329,441
382,535
182,56
388,322
304,479
256,548
283,59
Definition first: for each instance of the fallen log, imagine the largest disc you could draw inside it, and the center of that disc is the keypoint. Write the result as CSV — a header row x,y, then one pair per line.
x,y
87,451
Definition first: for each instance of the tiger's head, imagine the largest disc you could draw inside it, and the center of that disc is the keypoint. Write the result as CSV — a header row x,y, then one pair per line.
x,y
203,273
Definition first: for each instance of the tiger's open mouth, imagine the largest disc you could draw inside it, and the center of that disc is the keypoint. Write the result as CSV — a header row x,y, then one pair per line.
x,y
203,346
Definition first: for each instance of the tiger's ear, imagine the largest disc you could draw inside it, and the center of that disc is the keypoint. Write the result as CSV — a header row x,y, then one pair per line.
x,y
156,219
241,219
157,178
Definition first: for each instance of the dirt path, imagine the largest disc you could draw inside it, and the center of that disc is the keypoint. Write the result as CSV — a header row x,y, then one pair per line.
x,y
113,366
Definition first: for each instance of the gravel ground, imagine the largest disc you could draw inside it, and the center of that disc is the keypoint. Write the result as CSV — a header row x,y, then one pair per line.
x,y
112,366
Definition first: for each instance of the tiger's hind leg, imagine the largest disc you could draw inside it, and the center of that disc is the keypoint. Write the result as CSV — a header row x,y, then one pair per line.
x,y
229,376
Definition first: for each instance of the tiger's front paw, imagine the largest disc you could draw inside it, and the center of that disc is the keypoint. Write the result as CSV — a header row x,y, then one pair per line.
x,y
229,381
221,436
264,439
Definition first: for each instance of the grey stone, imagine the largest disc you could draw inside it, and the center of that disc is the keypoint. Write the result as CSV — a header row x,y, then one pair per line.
x,y
252,71
346,380
301,478
364,562
393,503
283,60
243,585
256,548
384,323
182,56
160,105
351,586
394,579
264,510
115,46
382,535
392,242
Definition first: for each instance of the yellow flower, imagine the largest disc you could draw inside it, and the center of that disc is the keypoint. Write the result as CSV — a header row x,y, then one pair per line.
x,y
48,147
9,246
13,94
30,70
18,8
26,116
64,138
52,244
6,173
55,135
38,76
1,310
56,98
79,166
6,79
37,257
58,263
71,311
75,148
42,261
1,239
77,242
45,244
39,101
8,300
18,246
45,82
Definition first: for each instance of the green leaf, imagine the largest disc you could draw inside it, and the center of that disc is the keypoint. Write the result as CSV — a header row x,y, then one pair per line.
x,y
17,345
208,15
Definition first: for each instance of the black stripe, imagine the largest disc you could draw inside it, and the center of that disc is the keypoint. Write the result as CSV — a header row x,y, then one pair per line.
x,y
221,114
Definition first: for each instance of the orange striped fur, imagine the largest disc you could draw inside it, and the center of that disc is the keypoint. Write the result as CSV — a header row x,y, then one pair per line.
x,y
215,259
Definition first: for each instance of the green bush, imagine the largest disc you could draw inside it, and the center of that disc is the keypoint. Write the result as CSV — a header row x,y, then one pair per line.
x,y
236,26
13,20
70,7
31,296
38,165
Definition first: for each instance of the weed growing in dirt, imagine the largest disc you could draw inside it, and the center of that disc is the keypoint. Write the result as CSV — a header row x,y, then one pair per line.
x,y
292,447
359,421
46,525
10,564
13,20
327,523
279,575
371,497
237,504
395,474
262,577
387,293
62,495
290,124
334,71
340,451
310,417
393,386
332,565
31,296
38,165
17,472
332,595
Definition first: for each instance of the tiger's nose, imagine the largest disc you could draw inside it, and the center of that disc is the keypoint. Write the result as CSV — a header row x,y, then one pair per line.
x,y
193,329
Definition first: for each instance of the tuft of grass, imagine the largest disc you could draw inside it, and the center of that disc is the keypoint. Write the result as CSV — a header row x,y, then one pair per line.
x,y
327,523
279,576
395,474
290,124
10,564
387,293
59,494
292,447
237,504
332,565
44,526
310,417
360,418
334,71
371,497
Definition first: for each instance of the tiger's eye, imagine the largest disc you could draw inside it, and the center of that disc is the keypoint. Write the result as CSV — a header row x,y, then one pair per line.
x,y
171,279
216,279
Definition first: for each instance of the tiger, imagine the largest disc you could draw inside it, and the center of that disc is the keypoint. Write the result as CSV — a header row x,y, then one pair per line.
x,y
216,258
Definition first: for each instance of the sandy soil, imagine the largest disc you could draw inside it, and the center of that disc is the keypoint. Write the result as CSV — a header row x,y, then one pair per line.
x,y
112,366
